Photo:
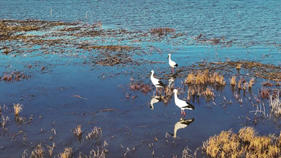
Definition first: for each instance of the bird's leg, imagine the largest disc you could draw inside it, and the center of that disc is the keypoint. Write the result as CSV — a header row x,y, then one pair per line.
x,y
156,92
184,113
173,70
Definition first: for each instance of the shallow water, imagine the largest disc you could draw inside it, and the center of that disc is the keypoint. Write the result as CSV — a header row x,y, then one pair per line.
x,y
71,90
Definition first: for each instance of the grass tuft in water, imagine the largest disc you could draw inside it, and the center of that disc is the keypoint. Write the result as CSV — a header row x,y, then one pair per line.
x,y
244,144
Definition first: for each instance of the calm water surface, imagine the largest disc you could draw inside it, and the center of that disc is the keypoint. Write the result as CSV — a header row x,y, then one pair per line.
x,y
130,122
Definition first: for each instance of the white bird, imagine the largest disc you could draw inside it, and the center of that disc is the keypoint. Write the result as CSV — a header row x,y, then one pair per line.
x,y
156,82
182,123
183,105
154,100
172,63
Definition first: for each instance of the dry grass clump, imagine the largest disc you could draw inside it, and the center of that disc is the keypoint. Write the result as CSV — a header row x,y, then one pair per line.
x,y
209,93
205,77
190,78
78,131
17,109
96,132
51,149
244,144
251,82
67,153
275,104
238,67
38,152
4,121
233,81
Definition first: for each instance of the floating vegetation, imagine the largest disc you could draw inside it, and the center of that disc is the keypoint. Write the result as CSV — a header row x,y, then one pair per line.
x,y
214,41
244,144
114,48
14,76
161,31
139,86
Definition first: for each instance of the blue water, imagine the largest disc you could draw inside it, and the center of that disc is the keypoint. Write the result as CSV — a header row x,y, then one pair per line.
x,y
253,26
245,22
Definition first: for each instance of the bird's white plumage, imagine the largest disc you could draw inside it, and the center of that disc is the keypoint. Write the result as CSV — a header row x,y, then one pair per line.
x,y
181,103
156,82
172,63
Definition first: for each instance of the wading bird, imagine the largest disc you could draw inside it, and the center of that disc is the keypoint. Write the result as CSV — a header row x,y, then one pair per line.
x,y
172,63
183,105
156,82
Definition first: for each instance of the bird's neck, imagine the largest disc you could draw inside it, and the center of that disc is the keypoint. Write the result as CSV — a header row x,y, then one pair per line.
x,y
175,132
170,58
176,95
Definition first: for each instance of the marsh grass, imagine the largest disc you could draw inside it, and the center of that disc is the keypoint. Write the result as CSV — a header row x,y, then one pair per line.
x,y
17,109
244,144
51,149
96,132
38,152
67,153
233,81
4,121
275,104
78,131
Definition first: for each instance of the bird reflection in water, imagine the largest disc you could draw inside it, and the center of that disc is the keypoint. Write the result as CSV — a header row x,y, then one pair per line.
x,y
182,123
154,100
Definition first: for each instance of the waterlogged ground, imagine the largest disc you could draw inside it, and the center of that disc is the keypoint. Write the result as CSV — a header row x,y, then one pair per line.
x,y
96,74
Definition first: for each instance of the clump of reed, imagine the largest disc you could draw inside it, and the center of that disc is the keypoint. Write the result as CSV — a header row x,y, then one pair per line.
x,y
96,132
78,131
275,104
244,144
17,109
4,121
51,149
238,67
67,153
38,152
264,93
98,152
209,93
204,78
251,82
233,81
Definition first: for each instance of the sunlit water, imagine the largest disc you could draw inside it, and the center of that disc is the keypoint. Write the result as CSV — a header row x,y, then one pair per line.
x,y
131,122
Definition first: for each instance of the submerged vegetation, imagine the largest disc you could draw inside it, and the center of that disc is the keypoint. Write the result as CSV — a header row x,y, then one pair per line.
x,y
246,143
